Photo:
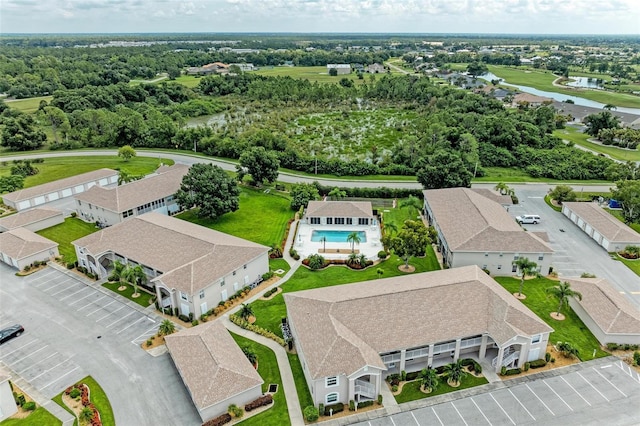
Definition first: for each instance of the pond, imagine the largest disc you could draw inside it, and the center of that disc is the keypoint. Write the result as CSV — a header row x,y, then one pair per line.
x,y
586,82
560,97
207,120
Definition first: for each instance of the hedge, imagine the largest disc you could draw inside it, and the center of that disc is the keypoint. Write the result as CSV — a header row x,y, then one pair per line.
x,y
538,363
337,408
221,420
262,401
256,329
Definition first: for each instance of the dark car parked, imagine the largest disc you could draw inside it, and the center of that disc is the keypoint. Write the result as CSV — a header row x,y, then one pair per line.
x,y
9,333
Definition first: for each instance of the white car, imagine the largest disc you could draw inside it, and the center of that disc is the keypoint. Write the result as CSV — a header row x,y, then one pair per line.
x,y
528,218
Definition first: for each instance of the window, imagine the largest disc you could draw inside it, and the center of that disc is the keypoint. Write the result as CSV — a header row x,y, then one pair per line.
x,y
332,398
339,220
499,266
363,221
222,283
315,221
349,221
201,294
535,339
331,381
244,267
486,254
516,256
234,273
183,296
127,213
541,257
329,221
484,266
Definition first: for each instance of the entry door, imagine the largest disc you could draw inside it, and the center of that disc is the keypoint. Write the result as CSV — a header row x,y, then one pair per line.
x,y
223,295
203,308
184,308
534,354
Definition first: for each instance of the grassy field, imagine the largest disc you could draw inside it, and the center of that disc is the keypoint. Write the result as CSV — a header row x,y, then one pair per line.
x,y
144,300
571,330
188,80
579,138
63,167
304,396
28,105
98,398
39,417
411,391
511,175
246,222
268,369
313,74
542,80
64,233
275,264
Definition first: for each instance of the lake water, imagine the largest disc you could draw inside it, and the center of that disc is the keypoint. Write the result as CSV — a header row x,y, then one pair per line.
x,y
586,82
560,97
207,120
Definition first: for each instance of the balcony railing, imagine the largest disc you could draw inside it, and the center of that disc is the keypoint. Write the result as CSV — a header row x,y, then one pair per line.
x,y
365,389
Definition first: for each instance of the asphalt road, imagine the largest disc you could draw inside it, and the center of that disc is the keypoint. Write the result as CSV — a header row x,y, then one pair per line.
x,y
73,330
574,251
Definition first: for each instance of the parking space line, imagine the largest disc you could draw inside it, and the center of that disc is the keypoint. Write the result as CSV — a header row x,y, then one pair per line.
x,y
36,363
141,338
392,422
46,371
437,416
414,418
121,318
64,375
594,388
608,381
559,397
89,304
63,290
130,325
505,413
17,349
110,313
34,352
455,408
101,307
481,412
521,404
35,278
81,299
55,286
73,294
574,389
628,371
541,401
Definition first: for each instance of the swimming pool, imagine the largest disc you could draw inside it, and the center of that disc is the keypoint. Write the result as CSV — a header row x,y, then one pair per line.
x,y
336,236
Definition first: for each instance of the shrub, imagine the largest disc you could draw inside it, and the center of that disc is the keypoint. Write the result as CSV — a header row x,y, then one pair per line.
x,y
315,262
70,265
412,376
256,329
321,409
477,367
379,399
270,292
512,372
403,376
547,356
75,392
567,350
29,406
394,388
263,400
190,316
310,413
149,342
503,371
27,268
636,358
334,408
364,404
526,366
195,322
235,411
612,346
352,405
538,363
19,398
74,214
220,420
267,275
382,254
553,360
183,318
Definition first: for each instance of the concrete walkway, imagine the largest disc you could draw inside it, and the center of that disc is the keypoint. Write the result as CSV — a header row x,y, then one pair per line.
x,y
63,415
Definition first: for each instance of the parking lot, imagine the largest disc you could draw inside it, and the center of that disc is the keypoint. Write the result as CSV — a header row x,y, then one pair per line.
x,y
603,394
73,330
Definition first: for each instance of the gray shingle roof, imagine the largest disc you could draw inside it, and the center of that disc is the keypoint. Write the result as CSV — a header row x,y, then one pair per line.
x,y
340,329
603,222
28,217
59,185
609,309
121,198
493,195
211,364
190,256
20,243
339,209
470,221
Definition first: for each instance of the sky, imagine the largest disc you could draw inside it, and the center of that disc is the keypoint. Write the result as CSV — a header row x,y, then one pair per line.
x,y
309,16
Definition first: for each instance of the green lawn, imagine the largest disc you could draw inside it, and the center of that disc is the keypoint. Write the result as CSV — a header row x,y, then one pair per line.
x,y
187,80
98,398
72,229
269,313
63,167
28,105
144,300
634,265
304,396
512,175
411,391
40,417
275,264
313,74
571,330
268,370
579,138
261,218
542,80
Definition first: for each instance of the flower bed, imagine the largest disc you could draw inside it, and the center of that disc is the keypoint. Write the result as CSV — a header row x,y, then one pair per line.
x,y
85,402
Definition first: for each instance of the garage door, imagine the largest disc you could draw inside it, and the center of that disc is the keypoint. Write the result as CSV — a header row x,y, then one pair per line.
x,y
573,217
113,179
24,205
597,236
78,189
53,196
605,243
588,229
38,200
66,192
103,182
90,184
581,223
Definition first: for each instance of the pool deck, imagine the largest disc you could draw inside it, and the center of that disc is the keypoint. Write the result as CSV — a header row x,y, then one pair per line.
x,y
337,250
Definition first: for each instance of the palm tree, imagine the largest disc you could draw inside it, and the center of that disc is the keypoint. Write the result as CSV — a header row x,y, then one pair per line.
x,y
390,228
380,272
563,292
352,259
503,188
354,238
118,269
526,268
429,379
134,275
609,107
250,354
166,328
362,260
245,312
454,372
85,415
323,240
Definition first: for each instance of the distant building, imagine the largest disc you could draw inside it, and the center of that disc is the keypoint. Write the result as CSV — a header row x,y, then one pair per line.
x,y
244,67
375,69
342,69
213,68
33,219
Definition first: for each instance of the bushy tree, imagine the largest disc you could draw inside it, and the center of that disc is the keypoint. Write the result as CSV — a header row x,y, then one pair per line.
x,y
126,152
210,189
260,164
444,169
21,134
599,121
562,193
302,193
411,241
627,193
